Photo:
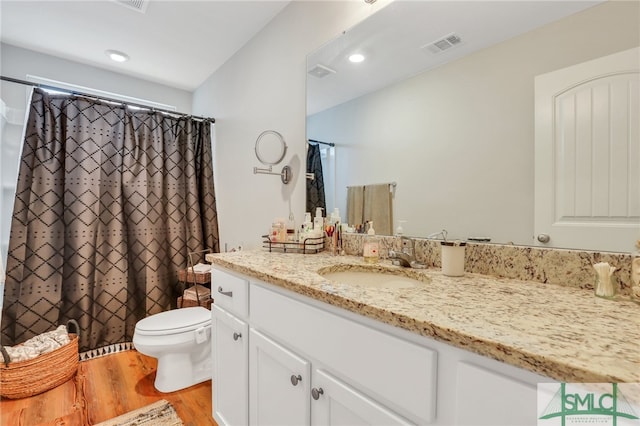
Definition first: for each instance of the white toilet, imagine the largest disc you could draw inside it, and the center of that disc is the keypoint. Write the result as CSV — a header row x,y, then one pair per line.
x,y
181,341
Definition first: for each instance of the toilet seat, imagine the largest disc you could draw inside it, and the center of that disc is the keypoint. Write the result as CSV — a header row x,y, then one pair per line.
x,y
174,322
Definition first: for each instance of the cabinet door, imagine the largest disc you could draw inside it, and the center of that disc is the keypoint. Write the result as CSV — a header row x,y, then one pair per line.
x,y
484,397
279,382
230,372
339,404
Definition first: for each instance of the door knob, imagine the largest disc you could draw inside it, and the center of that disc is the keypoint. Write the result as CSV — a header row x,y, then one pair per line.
x,y
315,393
295,379
236,336
544,238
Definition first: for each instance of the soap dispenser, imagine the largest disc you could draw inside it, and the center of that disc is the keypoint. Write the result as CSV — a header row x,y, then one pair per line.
x,y
371,248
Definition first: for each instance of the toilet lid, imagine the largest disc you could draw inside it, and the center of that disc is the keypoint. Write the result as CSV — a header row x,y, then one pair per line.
x,y
175,321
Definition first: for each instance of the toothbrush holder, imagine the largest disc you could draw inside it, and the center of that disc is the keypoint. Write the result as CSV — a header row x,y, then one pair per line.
x,y
452,256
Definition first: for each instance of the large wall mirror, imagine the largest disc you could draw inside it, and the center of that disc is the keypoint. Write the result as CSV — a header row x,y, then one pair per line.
x,y
443,105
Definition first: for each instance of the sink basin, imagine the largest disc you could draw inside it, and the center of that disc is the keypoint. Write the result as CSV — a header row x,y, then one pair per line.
x,y
373,277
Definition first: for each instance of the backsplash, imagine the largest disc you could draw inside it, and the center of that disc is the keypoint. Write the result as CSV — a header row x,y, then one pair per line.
x,y
545,265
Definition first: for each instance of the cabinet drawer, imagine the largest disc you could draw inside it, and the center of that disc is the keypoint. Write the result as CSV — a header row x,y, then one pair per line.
x,y
230,292
398,373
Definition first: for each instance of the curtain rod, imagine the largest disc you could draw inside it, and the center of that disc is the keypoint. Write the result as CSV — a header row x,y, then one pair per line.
x,y
323,143
102,98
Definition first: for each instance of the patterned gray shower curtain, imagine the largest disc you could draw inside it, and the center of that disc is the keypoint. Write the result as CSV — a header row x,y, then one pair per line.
x,y
109,203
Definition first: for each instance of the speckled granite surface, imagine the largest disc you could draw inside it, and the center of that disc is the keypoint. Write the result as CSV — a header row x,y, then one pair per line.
x,y
546,265
562,332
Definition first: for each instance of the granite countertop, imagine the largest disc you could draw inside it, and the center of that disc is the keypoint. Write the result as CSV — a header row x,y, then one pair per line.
x,y
560,332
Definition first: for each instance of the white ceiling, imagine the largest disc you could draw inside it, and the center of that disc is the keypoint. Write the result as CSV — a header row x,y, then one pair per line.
x,y
393,41
177,43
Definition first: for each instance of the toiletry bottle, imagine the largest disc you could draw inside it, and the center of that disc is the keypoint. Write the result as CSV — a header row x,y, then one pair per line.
x,y
371,248
335,216
282,237
278,231
307,228
291,229
318,221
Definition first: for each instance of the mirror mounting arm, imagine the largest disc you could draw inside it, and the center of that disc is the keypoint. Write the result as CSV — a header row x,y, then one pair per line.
x,y
285,174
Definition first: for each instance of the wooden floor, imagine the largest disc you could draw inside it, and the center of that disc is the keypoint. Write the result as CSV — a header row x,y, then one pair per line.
x,y
104,388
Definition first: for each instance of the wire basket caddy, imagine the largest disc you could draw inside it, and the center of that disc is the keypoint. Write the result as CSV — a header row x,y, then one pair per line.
x,y
307,246
194,279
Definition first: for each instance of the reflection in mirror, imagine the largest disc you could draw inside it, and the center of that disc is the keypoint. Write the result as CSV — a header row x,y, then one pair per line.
x,y
454,129
320,175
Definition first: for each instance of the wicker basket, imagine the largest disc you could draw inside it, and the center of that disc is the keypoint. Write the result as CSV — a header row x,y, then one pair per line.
x,y
186,303
194,277
31,377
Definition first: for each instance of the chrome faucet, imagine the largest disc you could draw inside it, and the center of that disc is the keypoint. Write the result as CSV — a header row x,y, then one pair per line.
x,y
406,257
442,234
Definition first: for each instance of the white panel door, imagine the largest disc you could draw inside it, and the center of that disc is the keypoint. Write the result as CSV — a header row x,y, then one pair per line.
x,y
279,383
337,404
230,350
587,154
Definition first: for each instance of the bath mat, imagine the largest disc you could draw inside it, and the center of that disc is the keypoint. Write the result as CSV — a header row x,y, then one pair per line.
x,y
160,413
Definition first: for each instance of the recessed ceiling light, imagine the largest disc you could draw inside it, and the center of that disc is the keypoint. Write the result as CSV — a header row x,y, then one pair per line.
x,y
356,57
117,56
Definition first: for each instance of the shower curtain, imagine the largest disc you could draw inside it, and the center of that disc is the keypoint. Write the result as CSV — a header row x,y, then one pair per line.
x,y
109,203
315,187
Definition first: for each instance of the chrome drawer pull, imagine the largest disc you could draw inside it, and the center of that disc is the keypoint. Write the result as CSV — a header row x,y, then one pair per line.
x,y
225,293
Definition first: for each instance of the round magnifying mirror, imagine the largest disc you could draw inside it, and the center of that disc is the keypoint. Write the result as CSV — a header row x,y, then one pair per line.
x,y
270,147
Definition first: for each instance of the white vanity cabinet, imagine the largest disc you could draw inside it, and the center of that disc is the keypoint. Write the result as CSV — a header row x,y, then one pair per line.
x,y
278,383
230,376
383,370
285,391
230,349
303,362
336,403
487,398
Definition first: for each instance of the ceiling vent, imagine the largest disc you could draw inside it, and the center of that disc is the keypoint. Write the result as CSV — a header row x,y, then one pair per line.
x,y
138,5
444,43
320,71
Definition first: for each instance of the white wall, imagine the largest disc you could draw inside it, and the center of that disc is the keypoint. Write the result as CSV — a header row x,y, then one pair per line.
x,y
459,139
18,63
260,88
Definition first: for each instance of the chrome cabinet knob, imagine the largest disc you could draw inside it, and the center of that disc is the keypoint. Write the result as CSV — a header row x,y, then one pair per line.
x,y
316,392
544,238
295,379
236,336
